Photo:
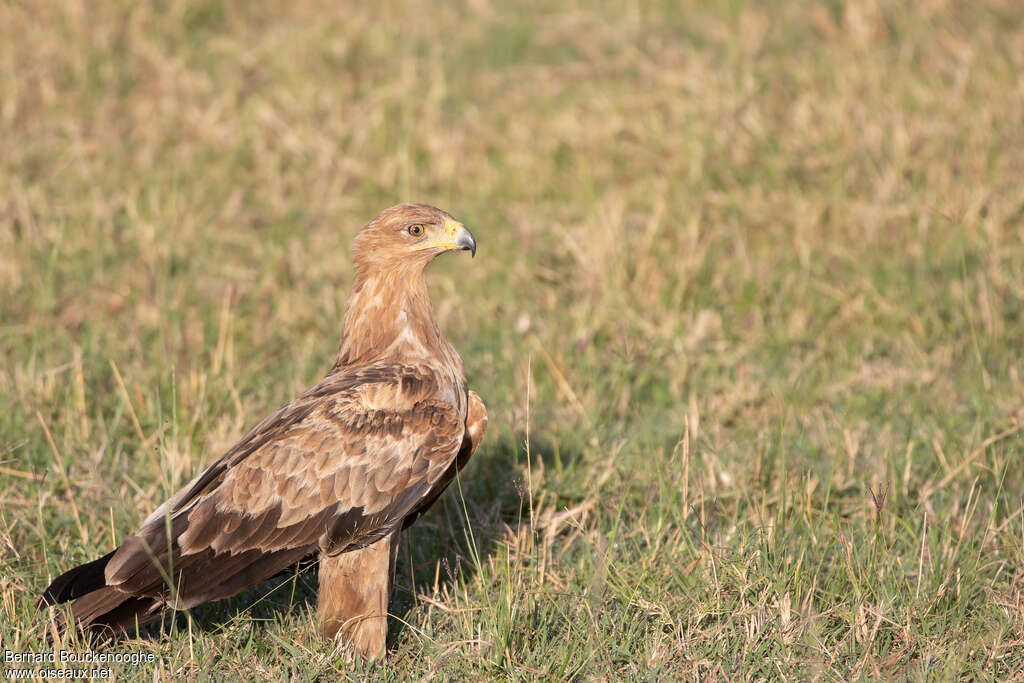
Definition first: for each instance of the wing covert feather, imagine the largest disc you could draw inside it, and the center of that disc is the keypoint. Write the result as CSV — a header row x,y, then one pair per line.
x,y
339,466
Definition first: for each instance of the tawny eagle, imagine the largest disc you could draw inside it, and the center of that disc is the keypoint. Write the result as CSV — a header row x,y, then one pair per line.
x,y
337,473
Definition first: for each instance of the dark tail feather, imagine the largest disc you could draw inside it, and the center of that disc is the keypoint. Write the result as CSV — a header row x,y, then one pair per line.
x,y
76,582
97,607
201,577
111,612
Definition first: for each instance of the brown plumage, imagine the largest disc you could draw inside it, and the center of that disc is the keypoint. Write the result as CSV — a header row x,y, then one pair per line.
x,y
337,473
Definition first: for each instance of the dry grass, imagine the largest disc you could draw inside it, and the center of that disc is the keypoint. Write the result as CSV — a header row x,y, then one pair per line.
x,y
747,314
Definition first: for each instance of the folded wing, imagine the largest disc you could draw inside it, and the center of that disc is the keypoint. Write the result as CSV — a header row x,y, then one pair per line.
x,y
337,468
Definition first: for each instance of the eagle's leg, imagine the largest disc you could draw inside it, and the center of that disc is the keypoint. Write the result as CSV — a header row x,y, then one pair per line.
x,y
355,588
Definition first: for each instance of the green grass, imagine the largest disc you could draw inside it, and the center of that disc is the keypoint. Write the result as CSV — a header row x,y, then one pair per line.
x,y
743,266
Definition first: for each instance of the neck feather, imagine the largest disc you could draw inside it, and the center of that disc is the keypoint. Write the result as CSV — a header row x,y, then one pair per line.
x,y
389,315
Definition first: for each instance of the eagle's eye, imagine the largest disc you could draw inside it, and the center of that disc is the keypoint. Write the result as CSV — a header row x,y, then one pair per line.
x,y
416,230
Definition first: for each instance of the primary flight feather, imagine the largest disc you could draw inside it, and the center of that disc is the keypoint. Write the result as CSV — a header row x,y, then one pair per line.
x,y
337,473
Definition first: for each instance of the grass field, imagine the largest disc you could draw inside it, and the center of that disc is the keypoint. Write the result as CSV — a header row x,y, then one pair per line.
x,y
747,314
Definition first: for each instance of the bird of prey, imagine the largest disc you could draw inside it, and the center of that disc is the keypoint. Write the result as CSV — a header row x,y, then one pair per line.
x,y
337,473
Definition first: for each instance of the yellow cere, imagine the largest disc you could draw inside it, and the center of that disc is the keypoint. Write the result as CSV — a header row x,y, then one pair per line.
x,y
451,228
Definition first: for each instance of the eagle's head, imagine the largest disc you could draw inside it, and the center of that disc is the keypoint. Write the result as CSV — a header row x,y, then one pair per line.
x,y
390,301
409,235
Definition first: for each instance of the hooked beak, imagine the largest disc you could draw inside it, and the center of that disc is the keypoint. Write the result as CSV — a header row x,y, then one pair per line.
x,y
456,237
464,240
